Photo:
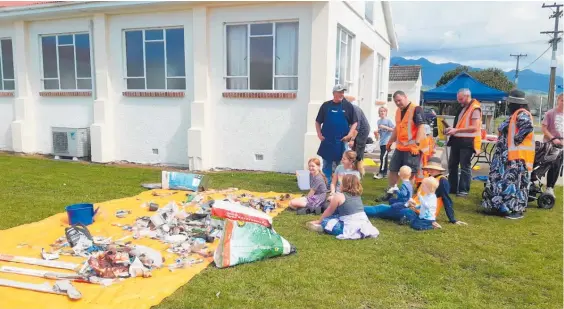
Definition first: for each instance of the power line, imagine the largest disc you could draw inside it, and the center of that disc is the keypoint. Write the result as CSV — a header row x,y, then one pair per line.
x,y
473,47
528,65
517,68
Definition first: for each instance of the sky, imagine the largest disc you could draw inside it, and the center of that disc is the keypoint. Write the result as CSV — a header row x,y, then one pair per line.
x,y
475,33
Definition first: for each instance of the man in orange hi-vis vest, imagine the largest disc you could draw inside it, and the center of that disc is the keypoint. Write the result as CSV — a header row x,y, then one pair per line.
x,y
408,134
465,140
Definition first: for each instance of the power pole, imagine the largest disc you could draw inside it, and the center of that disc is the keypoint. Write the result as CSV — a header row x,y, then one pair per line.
x,y
555,39
517,68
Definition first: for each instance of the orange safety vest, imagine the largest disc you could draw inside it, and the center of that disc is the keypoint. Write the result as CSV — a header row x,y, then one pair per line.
x,y
465,121
406,130
439,199
524,151
427,148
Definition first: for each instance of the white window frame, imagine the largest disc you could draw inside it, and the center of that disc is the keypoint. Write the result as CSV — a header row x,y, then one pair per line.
x,y
76,78
249,36
2,68
343,33
124,52
380,77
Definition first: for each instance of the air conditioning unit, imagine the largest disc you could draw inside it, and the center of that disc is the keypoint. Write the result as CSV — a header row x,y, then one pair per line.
x,y
71,142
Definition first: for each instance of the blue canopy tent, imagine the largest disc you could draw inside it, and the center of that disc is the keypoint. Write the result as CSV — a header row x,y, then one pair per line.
x,y
480,91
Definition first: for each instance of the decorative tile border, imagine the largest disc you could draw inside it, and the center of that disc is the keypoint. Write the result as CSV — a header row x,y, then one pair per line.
x,y
6,94
259,95
65,93
154,94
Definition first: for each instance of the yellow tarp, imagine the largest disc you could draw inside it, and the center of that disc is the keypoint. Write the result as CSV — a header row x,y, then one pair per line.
x,y
135,293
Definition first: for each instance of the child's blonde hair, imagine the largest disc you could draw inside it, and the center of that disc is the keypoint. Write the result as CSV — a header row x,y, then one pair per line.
x,y
351,185
431,183
352,156
405,172
318,163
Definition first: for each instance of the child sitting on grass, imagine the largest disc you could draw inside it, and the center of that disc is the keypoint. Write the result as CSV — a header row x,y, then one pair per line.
x,y
351,221
317,194
424,207
349,166
405,191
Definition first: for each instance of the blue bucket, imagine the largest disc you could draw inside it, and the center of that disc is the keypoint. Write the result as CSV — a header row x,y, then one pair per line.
x,y
81,213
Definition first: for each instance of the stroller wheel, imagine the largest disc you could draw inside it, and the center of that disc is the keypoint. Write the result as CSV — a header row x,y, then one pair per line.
x,y
546,201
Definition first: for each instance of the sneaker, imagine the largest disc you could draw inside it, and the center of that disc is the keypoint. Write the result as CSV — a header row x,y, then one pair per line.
x,y
393,189
378,176
404,221
549,190
462,194
514,216
384,198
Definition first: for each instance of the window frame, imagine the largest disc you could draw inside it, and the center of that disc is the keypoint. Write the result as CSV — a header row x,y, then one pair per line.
x,y
124,59
249,36
3,79
380,77
348,60
76,78
367,17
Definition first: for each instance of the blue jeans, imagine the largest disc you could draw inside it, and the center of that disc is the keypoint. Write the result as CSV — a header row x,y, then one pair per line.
x,y
396,212
328,170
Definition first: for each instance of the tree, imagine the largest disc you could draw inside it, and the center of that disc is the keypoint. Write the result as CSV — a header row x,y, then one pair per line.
x,y
492,77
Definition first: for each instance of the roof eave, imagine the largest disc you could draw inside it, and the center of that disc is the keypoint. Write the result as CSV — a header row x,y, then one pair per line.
x,y
387,7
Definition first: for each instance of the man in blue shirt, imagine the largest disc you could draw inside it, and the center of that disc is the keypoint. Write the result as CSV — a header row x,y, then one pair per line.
x,y
335,124
383,133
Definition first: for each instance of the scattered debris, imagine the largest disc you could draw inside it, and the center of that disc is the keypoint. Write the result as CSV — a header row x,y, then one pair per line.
x,y
34,261
55,275
121,213
49,255
61,287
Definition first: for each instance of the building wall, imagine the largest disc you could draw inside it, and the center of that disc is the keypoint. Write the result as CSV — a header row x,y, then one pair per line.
x,y
142,124
273,128
6,103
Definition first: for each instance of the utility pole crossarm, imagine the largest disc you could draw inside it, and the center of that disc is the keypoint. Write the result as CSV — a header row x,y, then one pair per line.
x,y
517,67
554,41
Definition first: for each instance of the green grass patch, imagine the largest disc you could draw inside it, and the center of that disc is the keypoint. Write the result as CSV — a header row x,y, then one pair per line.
x,y
492,263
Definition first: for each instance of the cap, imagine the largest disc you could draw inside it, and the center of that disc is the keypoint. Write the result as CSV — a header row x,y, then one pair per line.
x,y
339,88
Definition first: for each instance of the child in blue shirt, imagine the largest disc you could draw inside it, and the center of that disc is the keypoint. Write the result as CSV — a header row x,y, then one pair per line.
x,y
405,191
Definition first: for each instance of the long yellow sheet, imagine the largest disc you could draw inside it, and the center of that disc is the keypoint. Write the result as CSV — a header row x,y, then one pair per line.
x,y
130,293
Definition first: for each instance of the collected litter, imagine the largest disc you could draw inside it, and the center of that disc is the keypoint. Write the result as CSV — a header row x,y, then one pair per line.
x,y
39,262
246,242
55,276
61,287
236,211
183,181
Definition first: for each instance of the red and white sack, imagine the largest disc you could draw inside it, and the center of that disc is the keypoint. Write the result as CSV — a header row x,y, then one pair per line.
x,y
238,212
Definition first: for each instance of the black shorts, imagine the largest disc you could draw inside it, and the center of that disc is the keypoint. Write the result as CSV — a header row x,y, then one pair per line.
x,y
401,158
360,146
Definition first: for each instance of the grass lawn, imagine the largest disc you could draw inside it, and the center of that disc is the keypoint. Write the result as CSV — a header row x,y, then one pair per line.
x,y
492,263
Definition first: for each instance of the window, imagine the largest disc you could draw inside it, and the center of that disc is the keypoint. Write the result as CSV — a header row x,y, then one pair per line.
x,y
262,56
369,11
6,65
380,78
66,62
390,97
343,59
154,59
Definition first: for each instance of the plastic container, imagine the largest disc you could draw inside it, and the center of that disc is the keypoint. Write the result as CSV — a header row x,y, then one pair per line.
x,y
81,213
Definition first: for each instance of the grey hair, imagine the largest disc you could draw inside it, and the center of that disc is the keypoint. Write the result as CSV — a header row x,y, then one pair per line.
x,y
464,91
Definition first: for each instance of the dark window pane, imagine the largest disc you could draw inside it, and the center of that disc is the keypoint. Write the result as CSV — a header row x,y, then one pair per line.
x,y
9,85
135,83
66,67
65,39
176,83
175,52
51,84
82,46
49,51
84,84
134,53
7,59
155,63
261,63
153,35
261,29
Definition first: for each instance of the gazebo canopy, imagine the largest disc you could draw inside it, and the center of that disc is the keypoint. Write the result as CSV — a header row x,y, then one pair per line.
x,y
479,90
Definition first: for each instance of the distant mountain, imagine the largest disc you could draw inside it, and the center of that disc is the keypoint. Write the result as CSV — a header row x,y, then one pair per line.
x,y
528,80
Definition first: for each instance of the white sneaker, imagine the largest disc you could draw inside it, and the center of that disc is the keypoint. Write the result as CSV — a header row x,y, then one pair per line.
x,y
378,176
549,191
393,189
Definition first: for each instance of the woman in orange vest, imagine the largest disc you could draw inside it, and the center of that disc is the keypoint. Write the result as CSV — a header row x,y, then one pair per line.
x,y
506,192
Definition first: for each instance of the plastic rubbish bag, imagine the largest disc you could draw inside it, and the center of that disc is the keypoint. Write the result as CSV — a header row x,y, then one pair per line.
x,y
233,211
246,242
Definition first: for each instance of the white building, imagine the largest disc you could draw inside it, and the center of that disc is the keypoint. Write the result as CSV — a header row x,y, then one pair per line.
x,y
199,84
406,78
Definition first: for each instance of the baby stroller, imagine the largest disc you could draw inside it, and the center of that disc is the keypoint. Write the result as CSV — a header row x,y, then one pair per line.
x,y
546,156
